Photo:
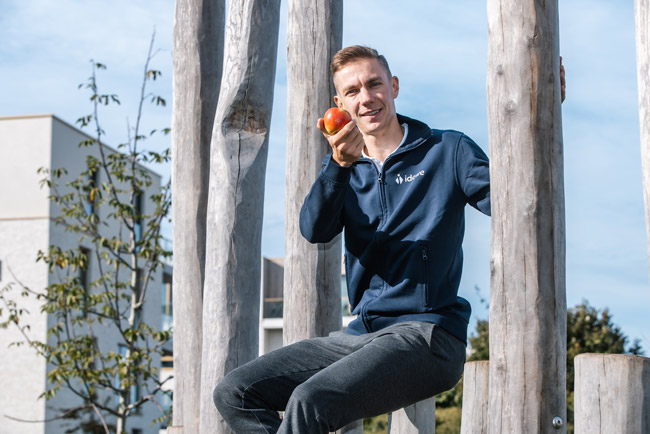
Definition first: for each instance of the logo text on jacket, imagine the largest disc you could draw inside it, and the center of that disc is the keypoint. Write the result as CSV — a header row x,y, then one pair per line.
x,y
408,178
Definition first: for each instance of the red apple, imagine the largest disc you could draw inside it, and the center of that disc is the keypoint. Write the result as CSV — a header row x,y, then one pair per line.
x,y
334,119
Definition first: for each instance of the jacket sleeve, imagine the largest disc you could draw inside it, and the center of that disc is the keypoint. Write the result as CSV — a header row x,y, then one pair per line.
x,y
473,174
321,212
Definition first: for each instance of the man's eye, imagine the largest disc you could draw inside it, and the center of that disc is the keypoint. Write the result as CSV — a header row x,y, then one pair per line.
x,y
351,91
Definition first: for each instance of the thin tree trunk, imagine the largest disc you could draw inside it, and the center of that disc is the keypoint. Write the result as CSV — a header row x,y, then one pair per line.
x,y
312,273
198,59
527,299
642,20
236,197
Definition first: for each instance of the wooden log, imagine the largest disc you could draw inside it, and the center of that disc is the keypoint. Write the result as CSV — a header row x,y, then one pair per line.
x,y
198,55
527,289
475,398
312,272
419,418
612,394
642,20
239,151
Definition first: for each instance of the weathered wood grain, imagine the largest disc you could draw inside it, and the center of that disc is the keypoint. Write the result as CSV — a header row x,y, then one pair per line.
x,y
198,55
238,156
642,21
419,418
527,291
612,394
475,398
312,272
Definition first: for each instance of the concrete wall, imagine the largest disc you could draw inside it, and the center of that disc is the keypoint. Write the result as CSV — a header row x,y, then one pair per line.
x,y
27,143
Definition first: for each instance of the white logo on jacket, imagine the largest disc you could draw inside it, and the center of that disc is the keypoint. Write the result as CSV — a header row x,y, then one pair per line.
x,y
408,178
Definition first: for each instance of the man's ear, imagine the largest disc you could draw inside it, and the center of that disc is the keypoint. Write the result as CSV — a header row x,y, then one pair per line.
x,y
394,83
338,101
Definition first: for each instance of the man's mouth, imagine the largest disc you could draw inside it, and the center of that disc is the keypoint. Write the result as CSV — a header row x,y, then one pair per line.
x,y
372,113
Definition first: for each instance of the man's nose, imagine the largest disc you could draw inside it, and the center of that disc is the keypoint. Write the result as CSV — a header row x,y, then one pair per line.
x,y
365,96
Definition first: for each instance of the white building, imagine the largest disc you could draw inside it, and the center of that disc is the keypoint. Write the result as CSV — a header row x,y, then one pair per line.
x,y
28,143
271,321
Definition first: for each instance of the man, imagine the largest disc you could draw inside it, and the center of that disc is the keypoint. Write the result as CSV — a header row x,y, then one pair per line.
x,y
398,189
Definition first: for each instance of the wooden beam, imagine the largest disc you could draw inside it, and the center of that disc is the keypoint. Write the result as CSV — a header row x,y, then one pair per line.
x,y
475,398
642,20
312,272
418,418
198,56
612,394
527,292
236,197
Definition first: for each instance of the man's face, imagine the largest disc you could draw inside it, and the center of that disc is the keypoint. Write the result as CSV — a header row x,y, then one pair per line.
x,y
364,89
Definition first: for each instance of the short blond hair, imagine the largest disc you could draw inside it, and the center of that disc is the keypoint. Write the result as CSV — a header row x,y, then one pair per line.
x,y
353,53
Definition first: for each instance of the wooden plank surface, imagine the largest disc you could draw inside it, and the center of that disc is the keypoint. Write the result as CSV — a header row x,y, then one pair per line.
x,y
475,398
612,394
419,418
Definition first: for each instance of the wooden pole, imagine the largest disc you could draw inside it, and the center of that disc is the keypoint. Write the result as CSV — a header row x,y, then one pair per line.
x,y
475,398
527,289
312,272
236,196
198,54
612,394
642,20
419,418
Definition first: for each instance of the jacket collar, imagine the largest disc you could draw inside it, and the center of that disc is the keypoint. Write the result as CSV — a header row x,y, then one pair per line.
x,y
418,132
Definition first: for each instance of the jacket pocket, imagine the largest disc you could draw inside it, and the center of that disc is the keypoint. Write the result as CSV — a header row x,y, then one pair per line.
x,y
425,275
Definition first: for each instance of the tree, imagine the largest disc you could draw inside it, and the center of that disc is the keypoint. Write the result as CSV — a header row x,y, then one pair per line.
x,y
118,222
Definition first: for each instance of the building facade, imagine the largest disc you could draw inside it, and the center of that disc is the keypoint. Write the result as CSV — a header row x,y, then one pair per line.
x,y
272,296
28,143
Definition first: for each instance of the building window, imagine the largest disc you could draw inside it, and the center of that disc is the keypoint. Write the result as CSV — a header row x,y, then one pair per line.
x,y
138,293
91,196
84,267
84,277
167,306
137,218
134,390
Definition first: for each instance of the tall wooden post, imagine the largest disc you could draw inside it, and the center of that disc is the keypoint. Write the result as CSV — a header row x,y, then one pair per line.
x,y
642,20
312,273
198,54
236,196
527,294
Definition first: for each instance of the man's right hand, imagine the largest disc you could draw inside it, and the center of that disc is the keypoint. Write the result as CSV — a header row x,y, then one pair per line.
x,y
347,144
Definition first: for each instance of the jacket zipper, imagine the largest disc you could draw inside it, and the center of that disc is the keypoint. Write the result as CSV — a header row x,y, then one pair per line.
x,y
382,196
425,261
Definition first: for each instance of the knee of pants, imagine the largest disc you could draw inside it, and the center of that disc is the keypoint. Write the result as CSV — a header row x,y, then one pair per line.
x,y
227,394
310,401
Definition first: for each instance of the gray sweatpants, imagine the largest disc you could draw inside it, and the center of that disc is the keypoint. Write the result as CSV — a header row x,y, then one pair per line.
x,y
322,384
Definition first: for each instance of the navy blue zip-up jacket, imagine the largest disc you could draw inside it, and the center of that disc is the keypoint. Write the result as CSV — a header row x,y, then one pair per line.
x,y
404,226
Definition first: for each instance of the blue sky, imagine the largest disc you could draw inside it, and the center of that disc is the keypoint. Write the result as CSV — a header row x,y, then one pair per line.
x,y
438,50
